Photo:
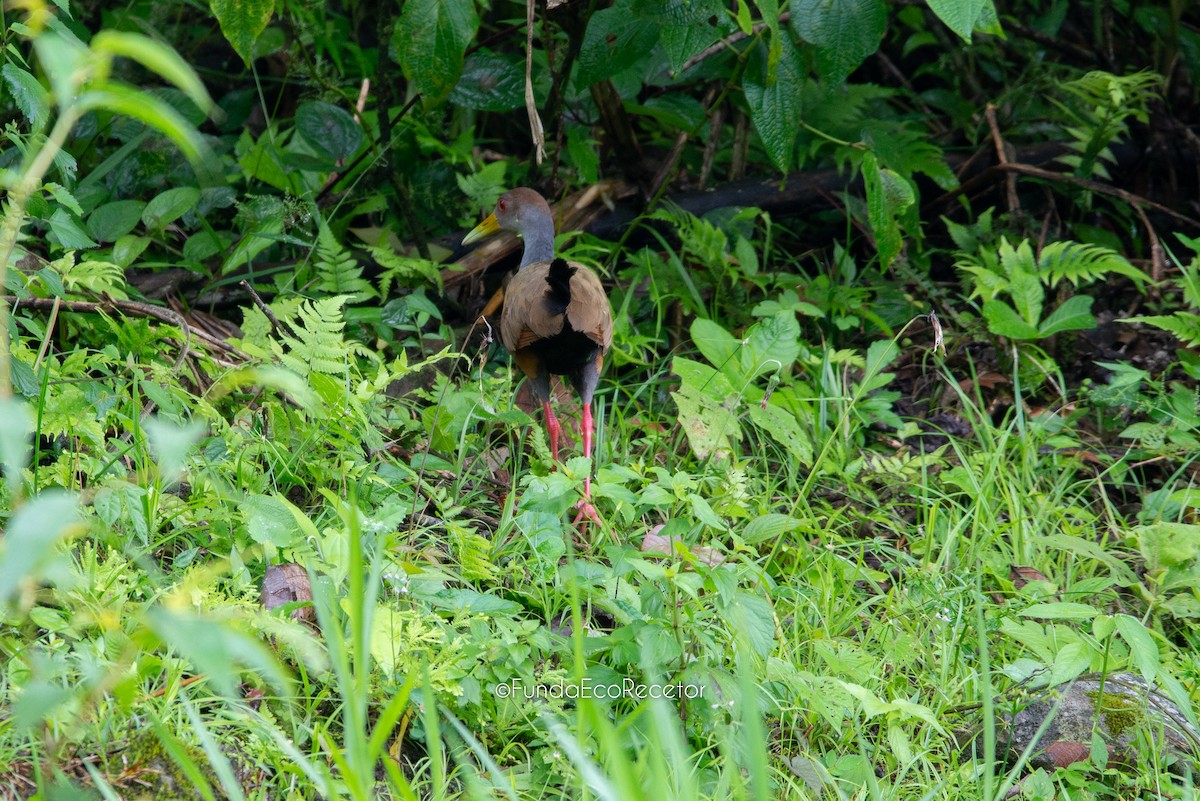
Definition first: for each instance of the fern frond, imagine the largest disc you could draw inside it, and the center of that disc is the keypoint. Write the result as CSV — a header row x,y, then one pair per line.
x,y
338,273
474,553
90,277
409,271
1184,325
319,344
1080,263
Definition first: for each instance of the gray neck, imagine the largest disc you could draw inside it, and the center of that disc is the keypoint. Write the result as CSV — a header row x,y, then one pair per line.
x,y
538,233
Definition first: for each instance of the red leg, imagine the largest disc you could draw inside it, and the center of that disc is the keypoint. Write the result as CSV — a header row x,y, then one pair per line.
x,y
552,428
586,510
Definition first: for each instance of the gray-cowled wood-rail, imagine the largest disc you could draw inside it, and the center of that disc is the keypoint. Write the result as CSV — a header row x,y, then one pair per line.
x,y
556,319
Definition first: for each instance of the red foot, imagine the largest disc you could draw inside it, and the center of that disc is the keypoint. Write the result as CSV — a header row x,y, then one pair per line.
x,y
586,513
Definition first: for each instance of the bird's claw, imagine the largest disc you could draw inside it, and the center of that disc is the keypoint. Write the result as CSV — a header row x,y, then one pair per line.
x,y
585,513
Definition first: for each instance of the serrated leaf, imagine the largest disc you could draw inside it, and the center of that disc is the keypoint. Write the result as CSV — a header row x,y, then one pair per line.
x,y
242,21
328,129
429,42
888,196
844,32
1073,315
774,100
615,39
30,96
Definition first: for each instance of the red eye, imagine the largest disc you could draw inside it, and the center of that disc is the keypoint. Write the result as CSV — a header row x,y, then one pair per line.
x,y
502,205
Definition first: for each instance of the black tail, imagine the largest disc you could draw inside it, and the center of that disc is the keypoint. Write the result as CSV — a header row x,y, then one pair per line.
x,y
559,279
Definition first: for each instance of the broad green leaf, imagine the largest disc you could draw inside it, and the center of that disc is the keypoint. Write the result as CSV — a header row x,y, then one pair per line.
x,y
167,207
490,82
216,649
63,57
1141,646
161,59
429,41
844,32
1003,320
1027,294
774,100
480,603
172,444
269,520
772,345
752,618
782,426
1073,315
328,129
615,39
114,220
961,16
769,527
30,96
1060,611
16,428
70,234
718,346
31,538
242,21
704,414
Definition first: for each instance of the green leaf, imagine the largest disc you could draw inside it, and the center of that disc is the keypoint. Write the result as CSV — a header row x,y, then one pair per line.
x,y
161,59
961,16
1141,646
888,196
688,26
844,32
114,220
1003,320
30,96
16,428
270,520
429,41
156,113
782,426
1184,325
1060,611
328,129
70,234
718,346
480,603
774,100
490,82
31,538
753,619
772,345
169,206
242,21
615,39
1073,315
769,527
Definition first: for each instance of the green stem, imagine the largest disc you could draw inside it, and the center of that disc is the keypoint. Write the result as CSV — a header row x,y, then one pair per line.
x,y
18,198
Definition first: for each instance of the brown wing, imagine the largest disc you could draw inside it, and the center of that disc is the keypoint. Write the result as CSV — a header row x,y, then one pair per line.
x,y
589,311
526,319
